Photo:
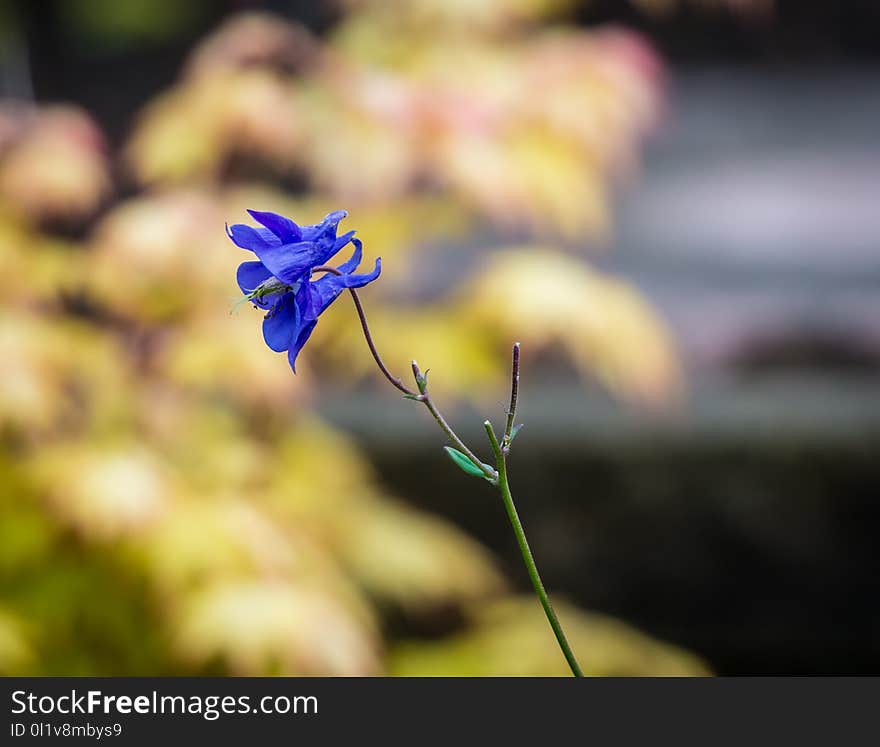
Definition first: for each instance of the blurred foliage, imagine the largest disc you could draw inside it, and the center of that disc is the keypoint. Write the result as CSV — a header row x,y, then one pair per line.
x,y
604,325
53,162
525,128
508,638
171,504
112,24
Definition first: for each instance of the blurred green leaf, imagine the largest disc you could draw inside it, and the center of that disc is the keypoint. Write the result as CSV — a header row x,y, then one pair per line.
x,y
114,25
464,463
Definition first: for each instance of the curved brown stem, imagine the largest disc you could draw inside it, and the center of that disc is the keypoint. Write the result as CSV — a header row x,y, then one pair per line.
x,y
369,337
420,396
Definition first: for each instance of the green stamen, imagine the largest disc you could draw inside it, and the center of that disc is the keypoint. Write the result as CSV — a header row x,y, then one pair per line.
x,y
266,288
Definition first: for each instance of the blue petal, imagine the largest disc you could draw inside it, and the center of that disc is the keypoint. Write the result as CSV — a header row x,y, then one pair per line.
x,y
285,229
330,286
306,303
307,318
281,324
290,262
248,237
326,227
313,298
350,266
327,249
341,241
359,281
250,275
301,339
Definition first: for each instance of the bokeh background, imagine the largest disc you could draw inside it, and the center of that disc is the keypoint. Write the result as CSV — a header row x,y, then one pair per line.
x,y
673,204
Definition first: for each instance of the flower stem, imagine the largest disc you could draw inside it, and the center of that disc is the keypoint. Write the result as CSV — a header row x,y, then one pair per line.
x,y
372,346
526,552
425,397
368,336
497,478
420,396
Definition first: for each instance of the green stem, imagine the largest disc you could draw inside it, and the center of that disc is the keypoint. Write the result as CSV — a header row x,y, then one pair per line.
x,y
459,444
526,552
498,478
425,398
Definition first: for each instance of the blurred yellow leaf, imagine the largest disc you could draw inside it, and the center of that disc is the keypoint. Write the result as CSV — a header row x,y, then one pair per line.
x,y
261,628
103,493
56,168
465,16
58,373
189,134
415,560
161,256
16,652
224,354
511,638
542,298
438,336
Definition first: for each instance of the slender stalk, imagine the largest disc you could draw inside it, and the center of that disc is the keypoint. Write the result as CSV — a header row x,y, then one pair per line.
x,y
425,397
526,552
490,474
369,337
372,346
422,395
497,478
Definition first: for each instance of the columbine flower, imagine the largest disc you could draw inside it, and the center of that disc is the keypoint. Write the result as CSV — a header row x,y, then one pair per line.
x,y
280,282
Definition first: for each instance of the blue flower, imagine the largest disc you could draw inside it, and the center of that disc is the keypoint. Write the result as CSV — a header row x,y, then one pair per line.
x,y
280,282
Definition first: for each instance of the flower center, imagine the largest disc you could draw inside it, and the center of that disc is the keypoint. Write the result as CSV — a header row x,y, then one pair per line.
x,y
267,288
